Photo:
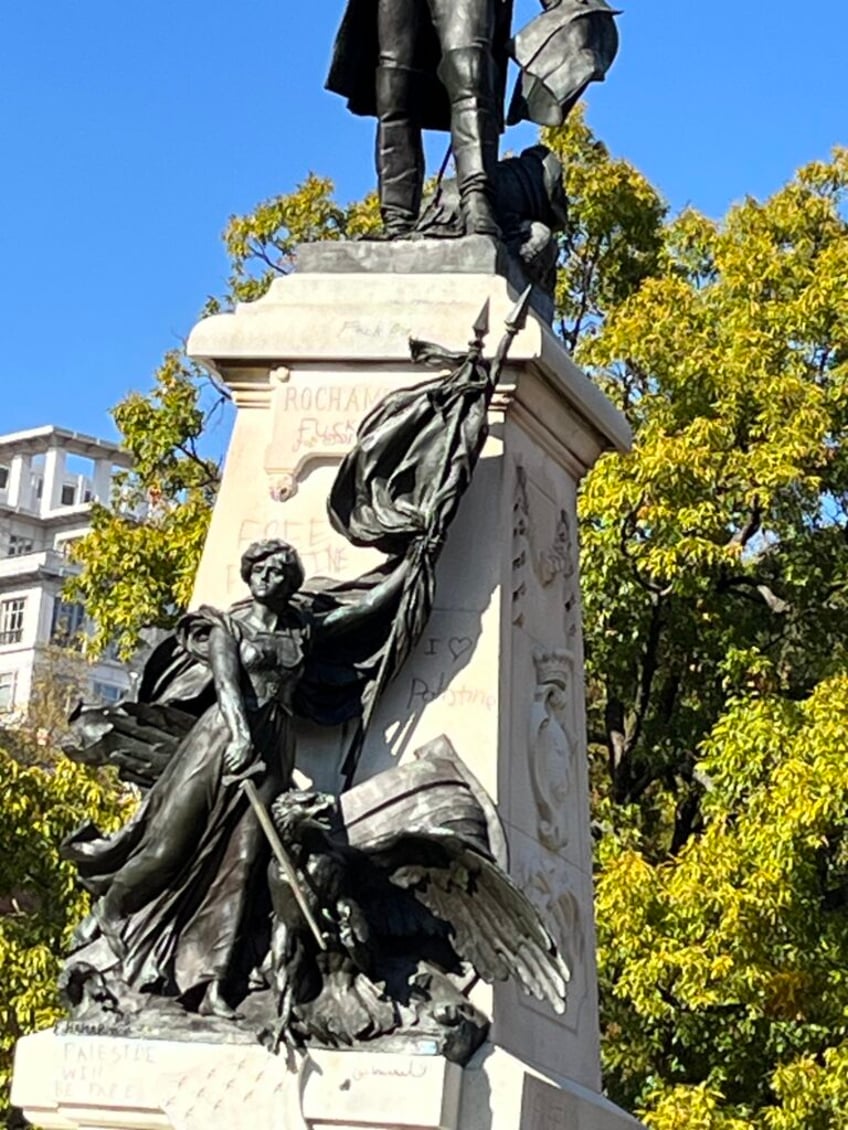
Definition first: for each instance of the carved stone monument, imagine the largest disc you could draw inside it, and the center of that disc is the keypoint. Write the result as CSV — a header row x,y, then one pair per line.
x,y
357,891
497,670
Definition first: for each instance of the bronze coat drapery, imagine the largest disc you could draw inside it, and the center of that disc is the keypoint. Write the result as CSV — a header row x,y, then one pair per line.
x,y
356,53
569,45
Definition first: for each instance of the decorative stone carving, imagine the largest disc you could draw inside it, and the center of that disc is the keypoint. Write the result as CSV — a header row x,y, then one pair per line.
x,y
551,895
546,883
550,564
551,748
521,544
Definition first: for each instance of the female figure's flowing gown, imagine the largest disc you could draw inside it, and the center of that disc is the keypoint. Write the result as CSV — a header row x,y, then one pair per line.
x,y
191,861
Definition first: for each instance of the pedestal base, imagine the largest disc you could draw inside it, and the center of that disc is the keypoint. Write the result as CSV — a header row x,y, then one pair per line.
x,y
87,1082
500,1092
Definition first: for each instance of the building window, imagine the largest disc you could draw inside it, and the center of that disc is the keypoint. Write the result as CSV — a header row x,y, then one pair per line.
x,y
64,545
18,544
107,693
69,494
68,623
7,691
4,476
12,620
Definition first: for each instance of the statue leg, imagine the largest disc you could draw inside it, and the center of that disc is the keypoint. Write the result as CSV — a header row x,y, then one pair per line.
x,y
170,842
399,150
467,71
400,154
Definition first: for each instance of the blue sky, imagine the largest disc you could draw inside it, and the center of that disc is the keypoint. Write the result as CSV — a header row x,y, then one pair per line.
x,y
131,132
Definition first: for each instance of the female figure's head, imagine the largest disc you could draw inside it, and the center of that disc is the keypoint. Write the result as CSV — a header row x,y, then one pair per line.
x,y
272,570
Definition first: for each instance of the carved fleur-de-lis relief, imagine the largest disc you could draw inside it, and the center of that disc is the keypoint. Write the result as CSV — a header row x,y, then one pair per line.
x,y
565,551
551,748
520,544
557,560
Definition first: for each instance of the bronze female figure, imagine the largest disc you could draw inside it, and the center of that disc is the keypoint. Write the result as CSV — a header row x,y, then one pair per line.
x,y
180,885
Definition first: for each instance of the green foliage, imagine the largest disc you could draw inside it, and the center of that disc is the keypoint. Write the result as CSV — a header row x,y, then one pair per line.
x,y
40,901
140,558
61,678
262,244
613,238
141,555
726,965
714,553
715,587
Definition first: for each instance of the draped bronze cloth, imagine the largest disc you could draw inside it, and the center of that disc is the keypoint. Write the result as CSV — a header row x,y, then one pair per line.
x,y
398,490
400,487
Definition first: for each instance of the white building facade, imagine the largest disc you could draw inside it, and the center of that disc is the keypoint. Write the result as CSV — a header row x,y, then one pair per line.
x,y
49,478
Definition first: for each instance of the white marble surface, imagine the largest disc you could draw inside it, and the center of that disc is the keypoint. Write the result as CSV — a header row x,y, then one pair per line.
x,y
499,667
88,1082
501,1092
63,1082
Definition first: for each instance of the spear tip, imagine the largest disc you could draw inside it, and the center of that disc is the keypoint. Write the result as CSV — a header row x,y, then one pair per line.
x,y
481,324
517,318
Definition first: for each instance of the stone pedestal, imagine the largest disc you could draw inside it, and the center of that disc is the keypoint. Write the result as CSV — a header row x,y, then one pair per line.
x,y
499,671
106,1083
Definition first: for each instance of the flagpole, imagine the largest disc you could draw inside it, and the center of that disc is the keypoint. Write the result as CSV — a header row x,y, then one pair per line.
x,y
515,322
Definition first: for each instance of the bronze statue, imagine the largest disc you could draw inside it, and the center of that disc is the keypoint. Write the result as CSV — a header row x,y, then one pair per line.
x,y
408,871
233,907
442,64
175,885
530,206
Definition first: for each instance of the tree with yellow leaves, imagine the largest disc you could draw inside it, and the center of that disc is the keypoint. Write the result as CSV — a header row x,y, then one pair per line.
x,y
40,899
715,567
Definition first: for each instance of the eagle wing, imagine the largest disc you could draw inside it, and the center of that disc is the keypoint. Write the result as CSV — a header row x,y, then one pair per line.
x,y
492,924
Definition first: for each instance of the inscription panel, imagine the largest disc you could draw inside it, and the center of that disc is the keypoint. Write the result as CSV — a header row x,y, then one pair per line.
x,y
314,421
186,1085
380,1090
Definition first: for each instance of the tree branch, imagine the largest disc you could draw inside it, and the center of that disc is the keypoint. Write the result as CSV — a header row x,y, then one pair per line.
x,y
629,528
590,264
751,527
764,592
623,739
650,662
211,471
